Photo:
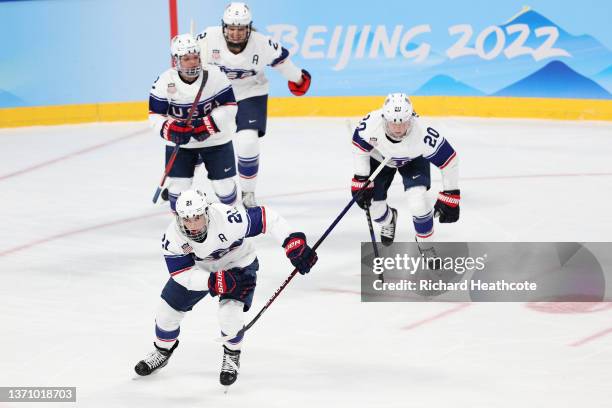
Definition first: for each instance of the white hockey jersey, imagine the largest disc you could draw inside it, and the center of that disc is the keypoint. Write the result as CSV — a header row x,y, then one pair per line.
x,y
170,96
226,245
246,69
370,140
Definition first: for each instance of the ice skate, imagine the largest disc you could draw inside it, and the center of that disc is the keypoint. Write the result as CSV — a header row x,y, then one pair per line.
x,y
429,253
387,232
248,199
229,367
154,360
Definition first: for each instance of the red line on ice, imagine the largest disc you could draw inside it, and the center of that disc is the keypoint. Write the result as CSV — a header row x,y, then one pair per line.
x,y
440,315
70,155
591,337
126,220
526,176
78,231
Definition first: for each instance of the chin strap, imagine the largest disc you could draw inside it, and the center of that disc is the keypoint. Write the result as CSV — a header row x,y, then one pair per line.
x,y
392,140
236,47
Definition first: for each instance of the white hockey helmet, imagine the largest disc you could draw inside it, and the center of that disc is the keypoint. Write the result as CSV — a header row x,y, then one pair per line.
x,y
186,44
192,215
398,115
237,15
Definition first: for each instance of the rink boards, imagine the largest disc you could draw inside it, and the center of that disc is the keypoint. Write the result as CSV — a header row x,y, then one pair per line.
x,y
500,107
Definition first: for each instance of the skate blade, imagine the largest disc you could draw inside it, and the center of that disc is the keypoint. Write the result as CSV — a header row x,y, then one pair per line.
x,y
138,377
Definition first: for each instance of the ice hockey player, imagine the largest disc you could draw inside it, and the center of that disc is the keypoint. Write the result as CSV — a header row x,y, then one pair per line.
x,y
207,250
209,135
396,131
243,53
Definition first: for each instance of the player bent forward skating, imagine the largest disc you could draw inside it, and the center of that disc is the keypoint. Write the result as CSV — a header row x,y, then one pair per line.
x,y
207,250
396,131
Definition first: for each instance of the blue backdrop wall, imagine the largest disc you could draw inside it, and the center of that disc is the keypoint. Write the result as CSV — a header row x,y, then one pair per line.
x,y
57,52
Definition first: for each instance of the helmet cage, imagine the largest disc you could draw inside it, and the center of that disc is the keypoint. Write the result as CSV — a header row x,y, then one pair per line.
x,y
237,15
192,72
398,116
395,135
192,206
197,236
231,43
185,44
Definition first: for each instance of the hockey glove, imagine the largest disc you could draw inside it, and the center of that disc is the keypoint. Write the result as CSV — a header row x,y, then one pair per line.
x,y
365,198
299,90
232,282
447,206
176,131
204,128
299,253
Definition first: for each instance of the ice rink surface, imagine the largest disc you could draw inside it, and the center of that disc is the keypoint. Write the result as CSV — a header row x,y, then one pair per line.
x,y
82,270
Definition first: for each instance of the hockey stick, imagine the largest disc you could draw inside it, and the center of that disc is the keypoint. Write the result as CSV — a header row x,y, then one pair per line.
x,y
373,237
368,216
314,247
192,110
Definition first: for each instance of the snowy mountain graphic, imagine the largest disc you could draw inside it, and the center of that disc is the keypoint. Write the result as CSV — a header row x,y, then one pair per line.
x,y
587,54
445,85
604,78
583,53
8,99
556,80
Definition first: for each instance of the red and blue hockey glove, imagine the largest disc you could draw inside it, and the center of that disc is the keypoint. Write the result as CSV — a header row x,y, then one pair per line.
x,y
204,127
232,282
299,253
365,198
299,90
176,131
447,206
